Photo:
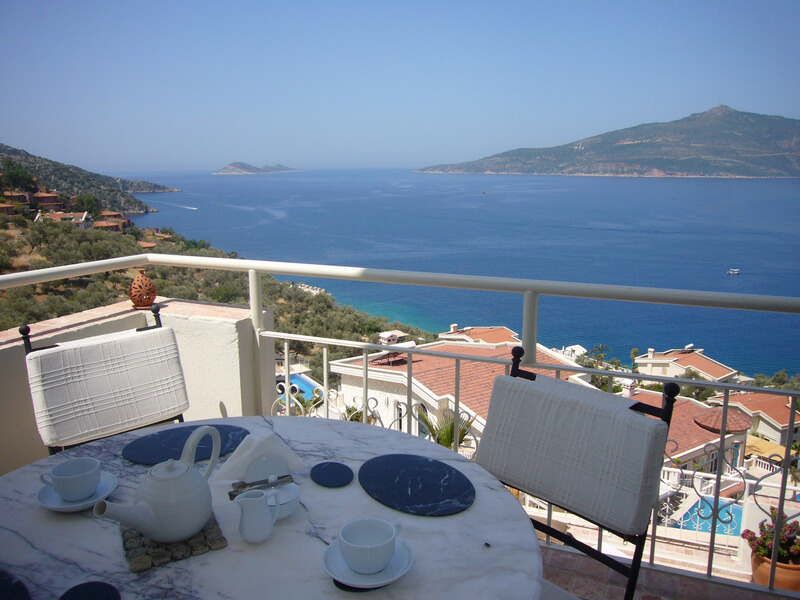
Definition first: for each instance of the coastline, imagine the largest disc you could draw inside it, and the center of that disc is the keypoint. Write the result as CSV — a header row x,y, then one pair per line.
x,y
630,175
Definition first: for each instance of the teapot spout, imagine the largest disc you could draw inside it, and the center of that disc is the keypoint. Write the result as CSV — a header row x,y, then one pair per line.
x,y
139,515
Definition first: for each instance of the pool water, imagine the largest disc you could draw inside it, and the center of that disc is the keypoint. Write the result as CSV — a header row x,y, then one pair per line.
x,y
305,385
692,520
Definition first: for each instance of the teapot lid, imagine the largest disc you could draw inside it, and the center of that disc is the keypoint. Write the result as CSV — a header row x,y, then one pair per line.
x,y
169,469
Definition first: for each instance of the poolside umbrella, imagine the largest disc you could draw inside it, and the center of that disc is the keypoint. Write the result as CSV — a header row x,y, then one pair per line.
x,y
711,420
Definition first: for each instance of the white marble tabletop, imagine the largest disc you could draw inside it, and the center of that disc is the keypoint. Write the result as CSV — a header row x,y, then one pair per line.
x,y
487,551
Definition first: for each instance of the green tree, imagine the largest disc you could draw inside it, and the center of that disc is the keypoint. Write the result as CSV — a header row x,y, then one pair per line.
x,y
15,177
634,354
780,378
599,353
695,391
87,203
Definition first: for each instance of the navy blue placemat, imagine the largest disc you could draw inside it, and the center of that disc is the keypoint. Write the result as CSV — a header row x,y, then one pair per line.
x,y
12,588
158,447
331,474
416,485
91,590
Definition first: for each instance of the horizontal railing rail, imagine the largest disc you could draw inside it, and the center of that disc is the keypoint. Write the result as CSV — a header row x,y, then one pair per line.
x,y
530,288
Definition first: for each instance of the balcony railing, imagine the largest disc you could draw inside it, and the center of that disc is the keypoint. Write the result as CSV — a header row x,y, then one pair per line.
x,y
709,486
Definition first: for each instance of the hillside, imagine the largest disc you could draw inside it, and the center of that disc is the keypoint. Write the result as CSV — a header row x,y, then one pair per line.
x,y
67,180
240,168
25,246
721,142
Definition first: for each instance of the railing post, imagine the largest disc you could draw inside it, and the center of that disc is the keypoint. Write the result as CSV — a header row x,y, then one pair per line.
x,y
409,391
530,310
287,379
325,381
364,387
457,407
718,482
786,464
264,378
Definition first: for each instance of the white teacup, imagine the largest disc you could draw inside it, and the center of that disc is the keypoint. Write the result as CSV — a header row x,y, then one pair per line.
x,y
367,545
74,479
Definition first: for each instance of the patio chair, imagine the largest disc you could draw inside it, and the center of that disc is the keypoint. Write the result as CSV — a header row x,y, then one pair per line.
x,y
92,388
591,453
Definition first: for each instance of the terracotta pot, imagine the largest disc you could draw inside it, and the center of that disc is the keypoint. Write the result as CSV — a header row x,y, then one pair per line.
x,y
787,577
142,291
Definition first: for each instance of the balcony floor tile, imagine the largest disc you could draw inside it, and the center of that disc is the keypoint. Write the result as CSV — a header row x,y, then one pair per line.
x,y
589,580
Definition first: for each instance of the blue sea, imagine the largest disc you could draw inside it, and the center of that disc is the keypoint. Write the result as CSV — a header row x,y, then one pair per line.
x,y
671,233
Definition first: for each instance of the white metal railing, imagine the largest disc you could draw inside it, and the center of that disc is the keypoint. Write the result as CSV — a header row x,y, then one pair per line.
x,y
705,487
529,288
759,462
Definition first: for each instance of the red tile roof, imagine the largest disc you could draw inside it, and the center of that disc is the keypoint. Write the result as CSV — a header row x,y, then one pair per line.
x,y
438,373
699,362
775,407
711,419
683,428
489,335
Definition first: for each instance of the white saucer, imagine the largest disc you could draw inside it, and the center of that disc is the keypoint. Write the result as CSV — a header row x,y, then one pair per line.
x,y
399,565
48,498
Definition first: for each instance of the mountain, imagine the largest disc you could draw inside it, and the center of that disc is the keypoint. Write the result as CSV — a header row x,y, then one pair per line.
x,y
240,168
721,142
66,180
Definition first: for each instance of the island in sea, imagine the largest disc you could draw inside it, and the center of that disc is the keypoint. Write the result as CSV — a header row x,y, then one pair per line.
x,y
240,168
721,142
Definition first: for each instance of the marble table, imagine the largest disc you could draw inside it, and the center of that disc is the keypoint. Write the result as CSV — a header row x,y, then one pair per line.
x,y
487,551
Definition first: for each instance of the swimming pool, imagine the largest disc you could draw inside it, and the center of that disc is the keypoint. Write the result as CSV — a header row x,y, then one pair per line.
x,y
691,519
304,384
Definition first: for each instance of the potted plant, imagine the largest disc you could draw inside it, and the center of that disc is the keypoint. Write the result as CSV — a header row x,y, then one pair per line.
x,y
787,573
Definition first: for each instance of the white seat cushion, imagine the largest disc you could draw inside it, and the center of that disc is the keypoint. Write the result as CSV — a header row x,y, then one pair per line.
x,y
92,388
578,447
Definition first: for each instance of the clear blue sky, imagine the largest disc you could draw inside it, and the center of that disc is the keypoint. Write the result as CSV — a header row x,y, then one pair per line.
x,y
124,86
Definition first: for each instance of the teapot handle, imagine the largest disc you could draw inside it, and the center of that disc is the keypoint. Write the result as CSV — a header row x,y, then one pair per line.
x,y
190,448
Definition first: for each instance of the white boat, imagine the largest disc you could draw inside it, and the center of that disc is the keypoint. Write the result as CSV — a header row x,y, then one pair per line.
x,y
733,271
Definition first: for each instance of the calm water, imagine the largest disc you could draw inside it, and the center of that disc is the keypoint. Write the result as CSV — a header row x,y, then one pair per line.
x,y
672,233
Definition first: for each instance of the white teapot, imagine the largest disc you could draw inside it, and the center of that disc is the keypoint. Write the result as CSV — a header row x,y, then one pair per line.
x,y
173,500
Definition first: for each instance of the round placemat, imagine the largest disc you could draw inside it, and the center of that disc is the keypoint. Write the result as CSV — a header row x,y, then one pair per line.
x,y
91,590
163,445
416,485
331,474
12,588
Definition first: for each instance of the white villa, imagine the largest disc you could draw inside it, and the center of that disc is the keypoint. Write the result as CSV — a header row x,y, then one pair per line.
x,y
677,363
433,380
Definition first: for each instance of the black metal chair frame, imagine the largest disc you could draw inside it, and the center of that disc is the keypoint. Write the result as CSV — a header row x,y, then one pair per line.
x,y
25,332
630,571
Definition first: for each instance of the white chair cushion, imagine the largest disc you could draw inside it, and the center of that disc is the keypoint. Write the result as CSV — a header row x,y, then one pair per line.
x,y
92,388
578,447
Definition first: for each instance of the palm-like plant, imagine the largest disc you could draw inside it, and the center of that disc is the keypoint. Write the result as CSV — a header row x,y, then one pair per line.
x,y
442,431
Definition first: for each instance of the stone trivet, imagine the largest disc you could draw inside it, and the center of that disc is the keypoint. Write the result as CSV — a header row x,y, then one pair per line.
x,y
143,553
